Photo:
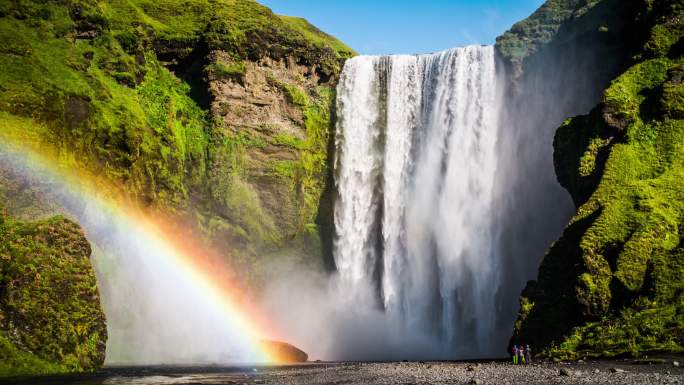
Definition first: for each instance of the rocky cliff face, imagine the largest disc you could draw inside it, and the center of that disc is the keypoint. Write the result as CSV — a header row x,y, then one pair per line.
x,y
216,113
219,114
612,284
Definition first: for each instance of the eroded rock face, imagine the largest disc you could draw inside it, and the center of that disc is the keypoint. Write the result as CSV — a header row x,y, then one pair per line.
x,y
278,109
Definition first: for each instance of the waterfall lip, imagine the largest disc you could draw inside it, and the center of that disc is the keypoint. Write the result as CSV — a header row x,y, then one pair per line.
x,y
425,54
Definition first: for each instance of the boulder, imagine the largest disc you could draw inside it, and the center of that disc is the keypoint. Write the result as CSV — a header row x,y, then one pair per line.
x,y
284,353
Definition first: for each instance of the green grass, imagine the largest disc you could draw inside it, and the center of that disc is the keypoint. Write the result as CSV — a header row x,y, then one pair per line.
x,y
295,95
317,36
235,71
288,140
526,36
17,362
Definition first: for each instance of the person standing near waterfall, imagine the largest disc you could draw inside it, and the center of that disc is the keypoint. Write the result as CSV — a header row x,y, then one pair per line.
x,y
515,354
528,355
521,352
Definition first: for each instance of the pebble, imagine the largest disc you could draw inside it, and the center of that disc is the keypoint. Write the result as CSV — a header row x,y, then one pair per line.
x,y
675,364
565,372
458,373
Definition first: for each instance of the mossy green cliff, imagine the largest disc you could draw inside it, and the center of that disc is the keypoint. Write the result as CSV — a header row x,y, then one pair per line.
x,y
527,36
613,283
214,112
50,315
217,112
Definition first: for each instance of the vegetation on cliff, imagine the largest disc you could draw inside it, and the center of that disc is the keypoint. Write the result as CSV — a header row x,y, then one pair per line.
x,y
215,112
526,36
614,282
50,315
132,89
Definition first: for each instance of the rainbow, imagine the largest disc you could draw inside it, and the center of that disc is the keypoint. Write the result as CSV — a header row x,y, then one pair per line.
x,y
189,273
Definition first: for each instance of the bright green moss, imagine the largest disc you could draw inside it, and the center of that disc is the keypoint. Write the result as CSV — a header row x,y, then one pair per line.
x,y
314,156
672,100
588,160
233,70
317,36
526,36
664,36
295,95
636,236
244,207
617,284
43,330
16,362
626,93
526,307
288,140
119,88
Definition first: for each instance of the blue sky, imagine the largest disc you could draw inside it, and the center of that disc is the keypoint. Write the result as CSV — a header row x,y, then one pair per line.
x,y
409,26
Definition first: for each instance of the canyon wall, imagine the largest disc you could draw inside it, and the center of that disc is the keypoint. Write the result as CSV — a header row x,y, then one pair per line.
x,y
216,115
612,283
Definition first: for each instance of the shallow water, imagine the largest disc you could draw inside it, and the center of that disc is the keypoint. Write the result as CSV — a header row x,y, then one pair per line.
x,y
157,376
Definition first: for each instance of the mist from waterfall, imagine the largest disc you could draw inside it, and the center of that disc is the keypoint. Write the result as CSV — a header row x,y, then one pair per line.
x,y
415,172
157,312
447,197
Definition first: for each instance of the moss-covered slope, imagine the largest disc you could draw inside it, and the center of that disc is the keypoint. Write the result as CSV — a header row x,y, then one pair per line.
x,y
527,36
50,315
217,112
214,112
614,282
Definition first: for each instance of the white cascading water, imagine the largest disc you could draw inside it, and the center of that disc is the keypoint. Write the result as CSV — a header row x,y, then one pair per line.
x,y
415,167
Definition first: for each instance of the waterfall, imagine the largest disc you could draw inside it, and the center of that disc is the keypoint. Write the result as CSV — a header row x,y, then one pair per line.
x,y
416,160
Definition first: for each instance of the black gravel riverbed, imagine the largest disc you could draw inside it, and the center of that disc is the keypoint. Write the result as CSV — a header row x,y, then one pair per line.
x,y
494,372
